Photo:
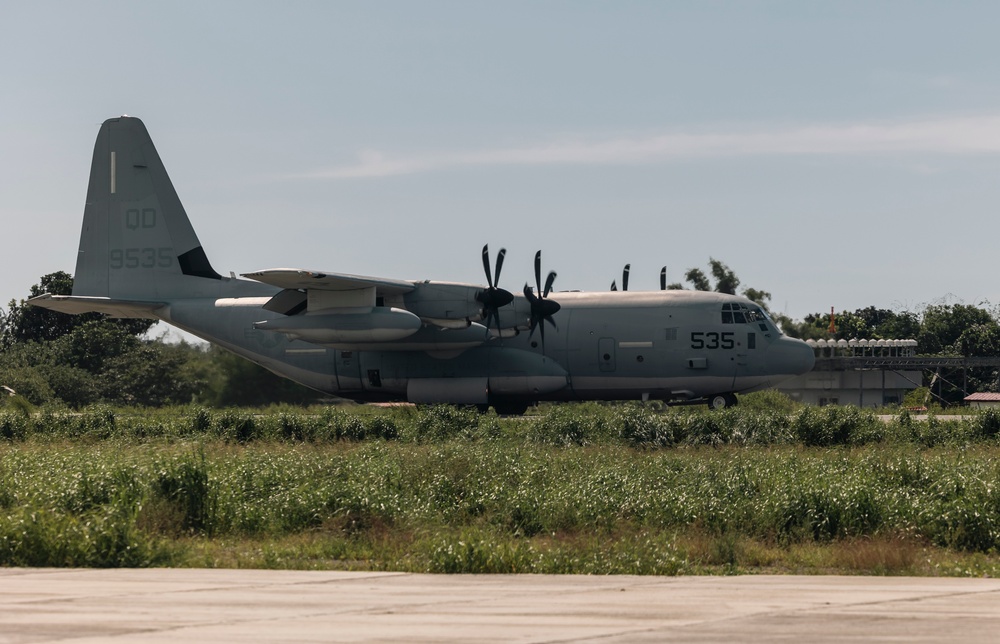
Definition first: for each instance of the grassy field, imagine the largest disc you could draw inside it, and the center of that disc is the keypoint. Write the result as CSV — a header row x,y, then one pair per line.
x,y
576,489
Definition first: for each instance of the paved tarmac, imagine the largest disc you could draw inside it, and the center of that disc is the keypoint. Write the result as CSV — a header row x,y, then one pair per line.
x,y
170,605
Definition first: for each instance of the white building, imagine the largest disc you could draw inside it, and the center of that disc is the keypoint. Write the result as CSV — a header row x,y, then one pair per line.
x,y
840,379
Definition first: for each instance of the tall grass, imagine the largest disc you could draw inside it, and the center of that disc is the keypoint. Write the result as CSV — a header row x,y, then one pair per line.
x,y
95,505
584,424
576,488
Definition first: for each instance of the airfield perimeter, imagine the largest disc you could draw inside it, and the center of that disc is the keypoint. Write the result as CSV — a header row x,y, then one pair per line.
x,y
161,605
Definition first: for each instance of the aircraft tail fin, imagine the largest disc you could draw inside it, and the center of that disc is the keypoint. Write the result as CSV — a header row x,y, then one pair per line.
x,y
137,241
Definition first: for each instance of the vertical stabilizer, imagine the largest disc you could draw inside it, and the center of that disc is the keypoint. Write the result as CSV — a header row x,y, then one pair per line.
x,y
137,242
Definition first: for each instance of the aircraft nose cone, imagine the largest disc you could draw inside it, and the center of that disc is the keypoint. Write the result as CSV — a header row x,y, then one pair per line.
x,y
791,357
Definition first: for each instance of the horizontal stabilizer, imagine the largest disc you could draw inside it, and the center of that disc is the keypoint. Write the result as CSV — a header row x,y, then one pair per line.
x,y
292,278
76,304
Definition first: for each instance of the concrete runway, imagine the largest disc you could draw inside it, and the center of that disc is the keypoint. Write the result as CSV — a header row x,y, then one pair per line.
x,y
170,605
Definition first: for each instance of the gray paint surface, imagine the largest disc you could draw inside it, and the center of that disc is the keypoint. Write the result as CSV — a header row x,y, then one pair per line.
x,y
168,605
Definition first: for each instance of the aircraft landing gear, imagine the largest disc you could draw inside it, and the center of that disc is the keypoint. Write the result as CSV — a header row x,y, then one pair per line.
x,y
721,401
510,408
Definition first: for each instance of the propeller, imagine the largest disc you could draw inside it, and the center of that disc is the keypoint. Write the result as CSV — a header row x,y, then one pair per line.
x,y
494,297
614,285
663,278
542,309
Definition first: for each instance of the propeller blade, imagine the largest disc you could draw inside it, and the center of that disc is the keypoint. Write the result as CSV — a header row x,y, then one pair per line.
x,y
614,285
538,272
500,256
493,297
486,264
542,309
628,268
548,283
663,278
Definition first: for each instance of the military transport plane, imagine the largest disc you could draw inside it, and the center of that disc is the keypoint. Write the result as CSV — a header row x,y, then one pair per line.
x,y
371,338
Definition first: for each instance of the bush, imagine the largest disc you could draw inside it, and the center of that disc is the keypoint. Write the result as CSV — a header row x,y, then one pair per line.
x,y
439,423
29,383
183,484
640,427
769,400
988,423
562,426
835,425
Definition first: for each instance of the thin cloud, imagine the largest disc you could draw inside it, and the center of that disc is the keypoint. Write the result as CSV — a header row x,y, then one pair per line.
x,y
949,136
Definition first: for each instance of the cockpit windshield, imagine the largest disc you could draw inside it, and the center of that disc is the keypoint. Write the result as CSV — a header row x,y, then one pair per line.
x,y
739,313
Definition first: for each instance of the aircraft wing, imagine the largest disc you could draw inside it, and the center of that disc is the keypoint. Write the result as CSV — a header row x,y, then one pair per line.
x,y
293,278
360,312
87,304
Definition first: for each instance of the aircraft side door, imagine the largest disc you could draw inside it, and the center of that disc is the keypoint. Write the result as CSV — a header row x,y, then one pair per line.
x,y
348,369
743,357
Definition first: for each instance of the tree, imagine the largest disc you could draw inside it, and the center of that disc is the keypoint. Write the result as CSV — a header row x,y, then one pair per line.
x,y
943,324
885,324
726,281
82,359
980,340
868,323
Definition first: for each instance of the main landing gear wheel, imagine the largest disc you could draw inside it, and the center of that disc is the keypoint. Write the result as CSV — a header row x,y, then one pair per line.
x,y
721,401
510,408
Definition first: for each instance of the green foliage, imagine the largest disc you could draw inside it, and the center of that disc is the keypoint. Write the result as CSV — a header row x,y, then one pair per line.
x,y
28,382
726,281
943,324
182,483
79,360
769,400
482,506
640,427
575,424
836,425
867,323
988,424
475,552
98,362
441,422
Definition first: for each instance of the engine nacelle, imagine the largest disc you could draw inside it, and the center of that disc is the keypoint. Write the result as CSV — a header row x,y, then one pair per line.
x,y
442,301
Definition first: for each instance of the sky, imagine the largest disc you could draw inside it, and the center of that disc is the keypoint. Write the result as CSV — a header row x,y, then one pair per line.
x,y
838,155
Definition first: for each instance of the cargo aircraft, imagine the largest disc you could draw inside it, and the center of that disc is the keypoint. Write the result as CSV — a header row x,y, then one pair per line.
x,y
423,341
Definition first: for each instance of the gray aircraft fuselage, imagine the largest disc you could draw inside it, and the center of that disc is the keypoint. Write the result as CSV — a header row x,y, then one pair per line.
x,y
424,341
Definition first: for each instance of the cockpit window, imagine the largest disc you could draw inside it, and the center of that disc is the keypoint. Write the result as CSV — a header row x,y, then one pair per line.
x,y
737,313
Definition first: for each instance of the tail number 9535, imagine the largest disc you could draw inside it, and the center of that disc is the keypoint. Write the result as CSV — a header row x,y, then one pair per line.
x,y
712,340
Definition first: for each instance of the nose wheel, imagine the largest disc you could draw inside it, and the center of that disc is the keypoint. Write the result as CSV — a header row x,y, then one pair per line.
x,y
721,401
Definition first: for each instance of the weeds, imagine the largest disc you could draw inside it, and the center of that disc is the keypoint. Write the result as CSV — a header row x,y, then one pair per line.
x,y
582,488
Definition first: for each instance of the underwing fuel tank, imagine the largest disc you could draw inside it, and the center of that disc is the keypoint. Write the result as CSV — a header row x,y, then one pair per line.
x,y
378,324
